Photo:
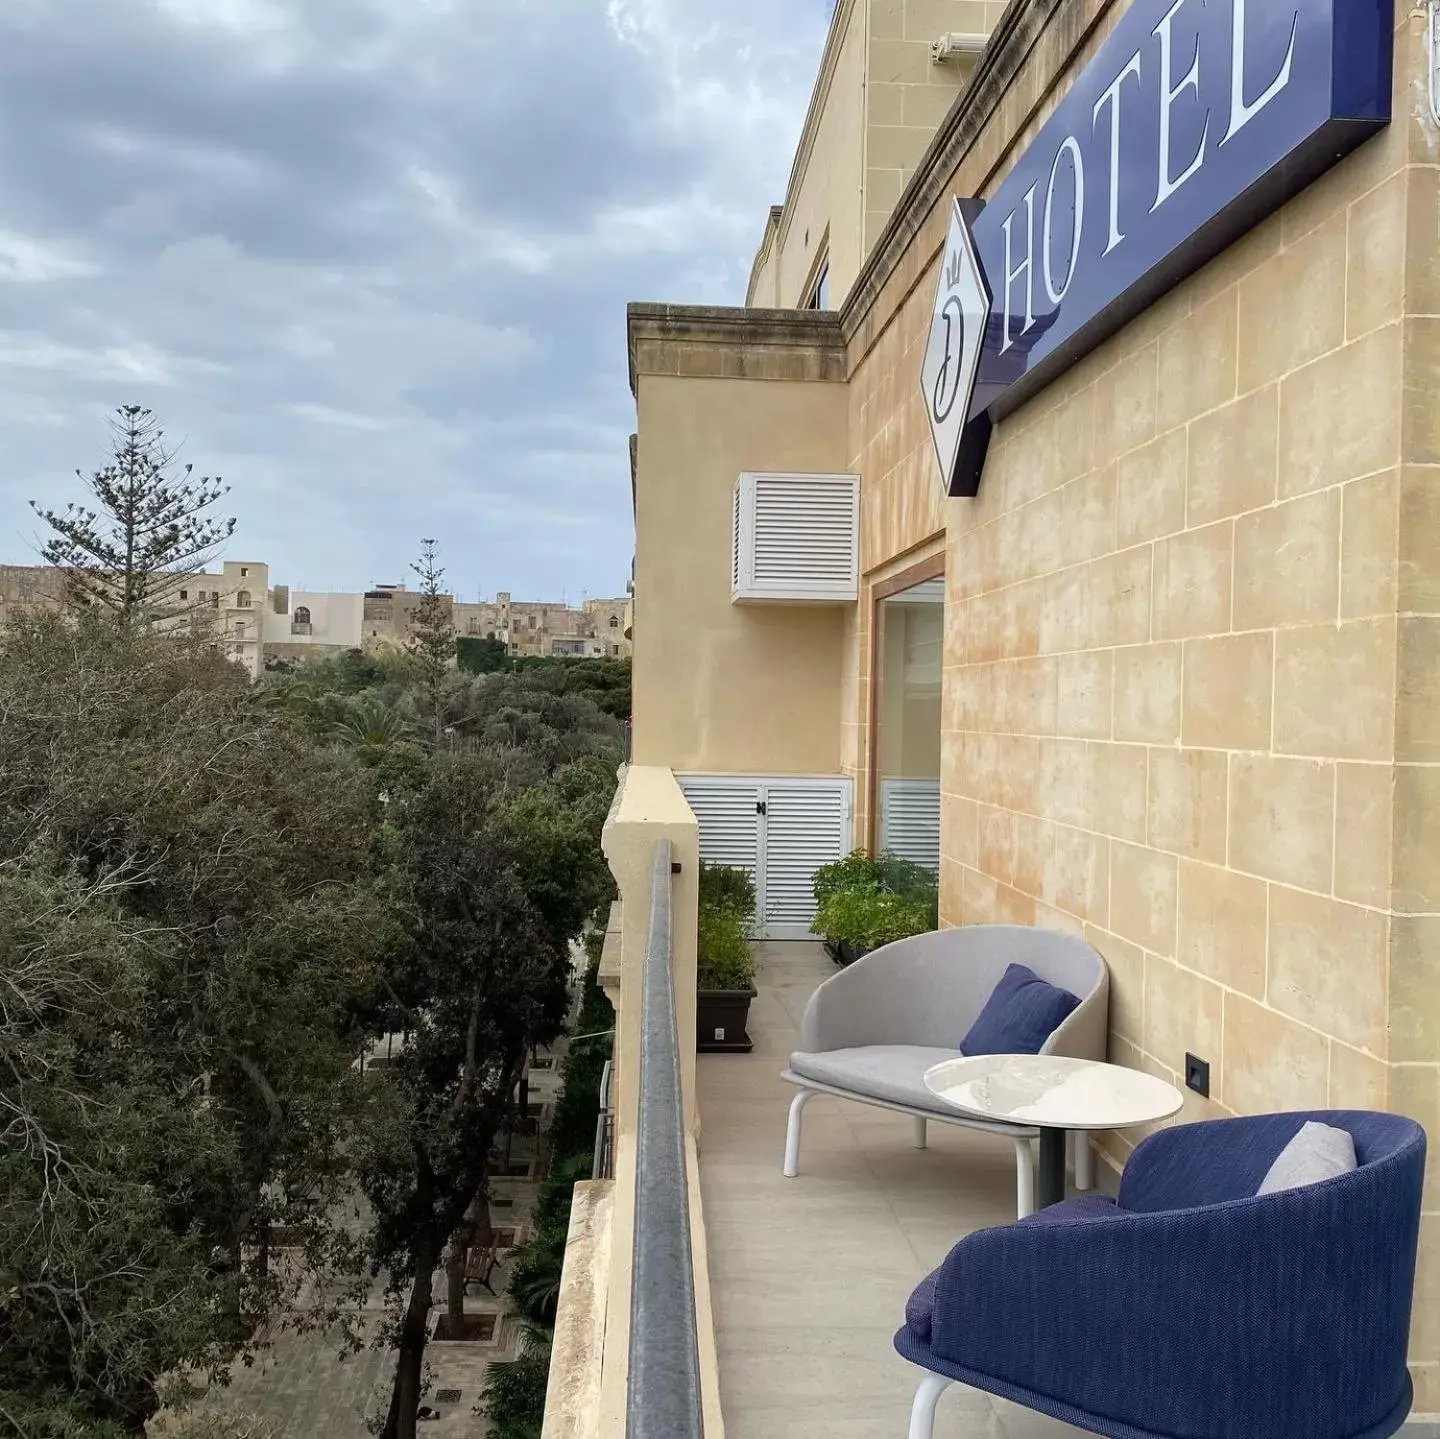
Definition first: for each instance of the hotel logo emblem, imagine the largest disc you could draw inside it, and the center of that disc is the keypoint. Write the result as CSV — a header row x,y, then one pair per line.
x,y
957,336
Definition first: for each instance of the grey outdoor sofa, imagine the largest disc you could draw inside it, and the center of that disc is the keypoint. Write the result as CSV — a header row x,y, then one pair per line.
x,y
871,1031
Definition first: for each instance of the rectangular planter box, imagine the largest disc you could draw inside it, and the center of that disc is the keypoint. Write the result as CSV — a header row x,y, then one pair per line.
x,y
720,1019
844,953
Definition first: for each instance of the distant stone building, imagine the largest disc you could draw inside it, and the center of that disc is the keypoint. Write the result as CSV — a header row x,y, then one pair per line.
x,y
536,627
260,624
29,587
254,622
389,616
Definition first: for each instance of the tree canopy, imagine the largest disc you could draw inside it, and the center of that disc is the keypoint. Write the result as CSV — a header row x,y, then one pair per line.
x,y
216,896
191,918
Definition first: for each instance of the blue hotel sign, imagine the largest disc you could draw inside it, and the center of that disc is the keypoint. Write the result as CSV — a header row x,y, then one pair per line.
x,y
1195,120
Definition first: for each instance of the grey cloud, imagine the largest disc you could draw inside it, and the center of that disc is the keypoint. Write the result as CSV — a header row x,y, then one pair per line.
x,y
371,256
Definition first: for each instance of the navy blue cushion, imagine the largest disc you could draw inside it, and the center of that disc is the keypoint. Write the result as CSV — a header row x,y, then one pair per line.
x,y
920,1307
1022,1012
1083,1209
1089,1313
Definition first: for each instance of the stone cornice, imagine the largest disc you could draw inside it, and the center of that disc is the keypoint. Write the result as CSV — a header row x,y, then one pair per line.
x,y
733,342
767,245
1011,48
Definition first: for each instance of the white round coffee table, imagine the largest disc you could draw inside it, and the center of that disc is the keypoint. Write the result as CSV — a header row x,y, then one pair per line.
x,y
1053,1095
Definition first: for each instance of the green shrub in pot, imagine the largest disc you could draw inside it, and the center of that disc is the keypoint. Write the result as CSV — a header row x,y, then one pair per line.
x,y
725,970
727,915
865,919
862,903
856,871
913,882
729,889
725,959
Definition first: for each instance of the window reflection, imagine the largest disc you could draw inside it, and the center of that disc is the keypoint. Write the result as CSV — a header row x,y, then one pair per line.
x,y
911,651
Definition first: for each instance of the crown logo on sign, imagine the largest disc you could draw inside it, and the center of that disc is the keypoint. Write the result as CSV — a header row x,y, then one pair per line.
x,y
954,270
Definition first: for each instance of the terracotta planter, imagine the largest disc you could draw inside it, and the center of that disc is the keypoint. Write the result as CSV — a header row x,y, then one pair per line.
x,y
720,1019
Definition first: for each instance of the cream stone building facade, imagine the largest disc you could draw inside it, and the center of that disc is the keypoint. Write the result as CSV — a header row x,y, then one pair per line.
x,y
1181,689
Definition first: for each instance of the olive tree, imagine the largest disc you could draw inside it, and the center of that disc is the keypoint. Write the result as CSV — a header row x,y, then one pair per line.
x,y
498,886
191,919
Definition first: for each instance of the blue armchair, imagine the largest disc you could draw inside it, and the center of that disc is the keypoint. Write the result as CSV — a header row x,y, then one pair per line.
x,y
1189,1307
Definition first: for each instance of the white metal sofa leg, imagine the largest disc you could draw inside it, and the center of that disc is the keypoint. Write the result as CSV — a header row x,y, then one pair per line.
x,y
922,1415
1024,1179
792,1133
1084,1162
920,1139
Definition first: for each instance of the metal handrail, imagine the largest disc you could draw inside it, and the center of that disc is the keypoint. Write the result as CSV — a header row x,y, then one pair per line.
x,y
664,1382
604,1164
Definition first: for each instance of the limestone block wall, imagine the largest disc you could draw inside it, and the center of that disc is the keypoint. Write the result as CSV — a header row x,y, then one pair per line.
x,y
1192,650
907,94
879,99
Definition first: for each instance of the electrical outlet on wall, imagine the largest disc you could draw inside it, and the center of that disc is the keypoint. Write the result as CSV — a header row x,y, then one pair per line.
x,y
1197,1075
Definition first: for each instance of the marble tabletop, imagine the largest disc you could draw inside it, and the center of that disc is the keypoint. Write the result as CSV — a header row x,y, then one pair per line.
x,y
1047,1092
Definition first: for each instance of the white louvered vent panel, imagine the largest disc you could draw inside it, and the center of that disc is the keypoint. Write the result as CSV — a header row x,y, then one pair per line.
x,y
727,812
796,538
807,824
910,820
735,543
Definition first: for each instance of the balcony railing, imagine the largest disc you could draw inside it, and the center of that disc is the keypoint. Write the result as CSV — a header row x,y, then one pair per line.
x,y
604,1165
634,1355
664,1382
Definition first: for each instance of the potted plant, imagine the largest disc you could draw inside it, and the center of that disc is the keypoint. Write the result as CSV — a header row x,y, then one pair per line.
x,y
726,963
857,871
863,903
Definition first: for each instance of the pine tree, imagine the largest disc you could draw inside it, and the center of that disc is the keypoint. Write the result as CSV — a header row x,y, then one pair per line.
x,y
432,635
148,533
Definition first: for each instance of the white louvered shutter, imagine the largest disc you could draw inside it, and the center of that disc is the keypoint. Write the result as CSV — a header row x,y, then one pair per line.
x,y
737,539
778,830
728,813
796,539
806,825
910,820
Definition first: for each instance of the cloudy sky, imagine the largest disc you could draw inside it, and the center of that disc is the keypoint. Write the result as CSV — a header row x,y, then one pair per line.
x,y
369,259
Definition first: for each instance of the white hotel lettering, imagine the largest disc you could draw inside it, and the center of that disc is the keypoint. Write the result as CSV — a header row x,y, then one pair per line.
x,y
1020,258
1068,146
1013,272
1112,98
1242,114
1169,93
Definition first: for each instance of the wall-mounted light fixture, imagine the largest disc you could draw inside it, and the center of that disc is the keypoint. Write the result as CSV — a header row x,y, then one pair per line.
x,y
954,46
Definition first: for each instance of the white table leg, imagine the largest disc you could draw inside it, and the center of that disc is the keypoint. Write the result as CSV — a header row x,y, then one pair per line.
x,y
1024,1179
